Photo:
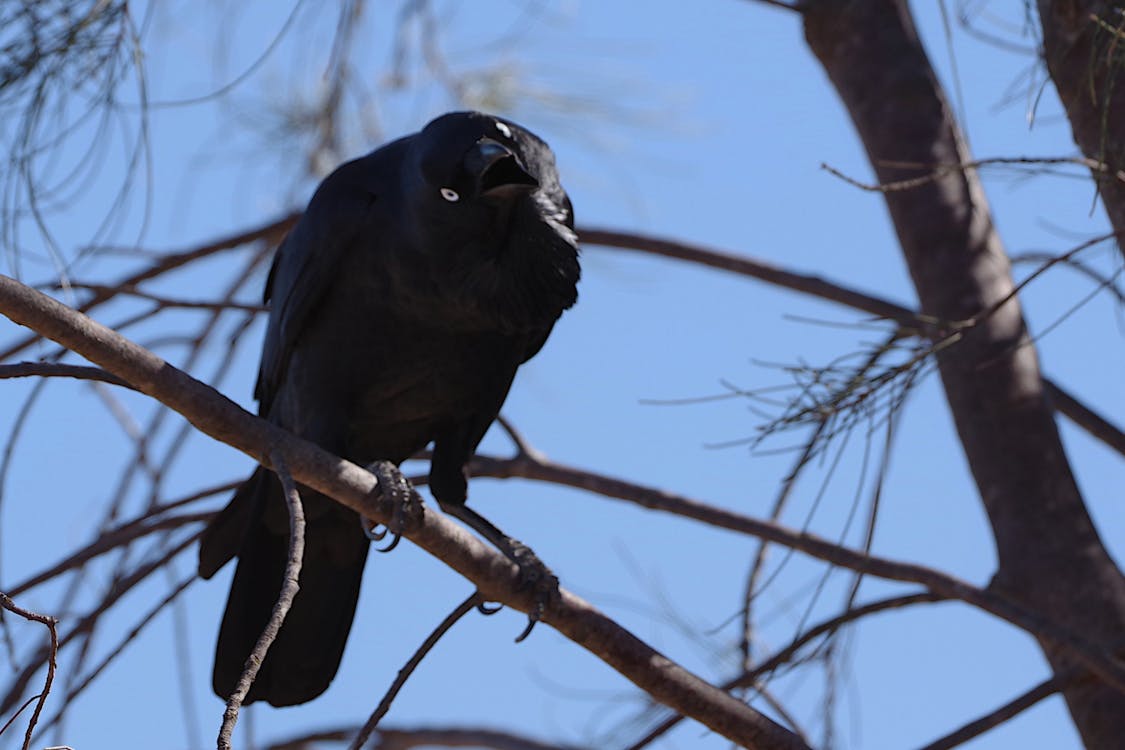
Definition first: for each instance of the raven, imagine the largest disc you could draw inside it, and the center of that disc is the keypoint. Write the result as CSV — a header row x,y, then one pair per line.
x,y
418,280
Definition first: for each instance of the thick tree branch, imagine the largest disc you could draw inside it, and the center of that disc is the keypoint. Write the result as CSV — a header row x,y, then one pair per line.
x,y
1084,49
495,576
1050,557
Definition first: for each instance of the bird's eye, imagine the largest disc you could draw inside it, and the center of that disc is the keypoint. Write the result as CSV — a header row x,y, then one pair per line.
x,y
504,129
450,195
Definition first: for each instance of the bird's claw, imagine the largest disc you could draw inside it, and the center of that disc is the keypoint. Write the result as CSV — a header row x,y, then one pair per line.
x,y
396,490
534,574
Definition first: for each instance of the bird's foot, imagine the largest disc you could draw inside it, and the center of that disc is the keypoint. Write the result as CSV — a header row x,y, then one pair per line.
x,y
405,505
534,575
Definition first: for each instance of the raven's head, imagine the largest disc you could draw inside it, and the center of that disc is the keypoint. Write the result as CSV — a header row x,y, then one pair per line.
x,y
470,157
488,207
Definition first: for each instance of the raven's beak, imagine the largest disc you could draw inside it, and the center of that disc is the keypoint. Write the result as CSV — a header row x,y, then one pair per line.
x,y
497,169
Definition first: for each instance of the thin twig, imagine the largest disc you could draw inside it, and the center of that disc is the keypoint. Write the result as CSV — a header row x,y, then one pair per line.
x,y
1089,420
995,718
939,171
289,587
110,540
125,641
57,370
750,677
50,622
473,601
817,287
271,233
113,595
423,737
161,301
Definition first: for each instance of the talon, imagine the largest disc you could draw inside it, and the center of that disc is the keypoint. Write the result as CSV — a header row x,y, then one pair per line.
x,y
394,543
537,576
394,489
375,532
487,611
531,620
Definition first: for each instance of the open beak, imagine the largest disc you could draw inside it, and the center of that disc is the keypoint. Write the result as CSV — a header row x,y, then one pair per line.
x,y
497,170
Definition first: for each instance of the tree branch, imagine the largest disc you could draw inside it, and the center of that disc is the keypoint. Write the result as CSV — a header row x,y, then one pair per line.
x,y
1094,657
750,677
494,575
995,718
1079,413
474,601
289,587
56,370
50,622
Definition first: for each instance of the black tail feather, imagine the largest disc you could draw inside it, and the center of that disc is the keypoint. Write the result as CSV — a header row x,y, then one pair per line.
x,y
306,654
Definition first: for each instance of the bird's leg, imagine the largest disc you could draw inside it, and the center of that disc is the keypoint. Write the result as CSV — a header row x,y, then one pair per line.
x,y
396,490
534,573
449,486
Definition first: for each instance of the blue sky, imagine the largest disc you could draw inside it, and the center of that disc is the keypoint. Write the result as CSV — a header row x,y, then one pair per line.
x,y
705,122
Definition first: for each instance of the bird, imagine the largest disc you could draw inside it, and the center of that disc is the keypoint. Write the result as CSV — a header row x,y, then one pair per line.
x,y
401,304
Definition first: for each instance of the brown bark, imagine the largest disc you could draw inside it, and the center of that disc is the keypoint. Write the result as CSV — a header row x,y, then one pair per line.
x,y
1084,48
1050,556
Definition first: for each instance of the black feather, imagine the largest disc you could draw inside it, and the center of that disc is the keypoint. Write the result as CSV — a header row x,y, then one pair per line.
x,y
418,280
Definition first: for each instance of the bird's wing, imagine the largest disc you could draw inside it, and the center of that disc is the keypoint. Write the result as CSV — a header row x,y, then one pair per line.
x,y
308,260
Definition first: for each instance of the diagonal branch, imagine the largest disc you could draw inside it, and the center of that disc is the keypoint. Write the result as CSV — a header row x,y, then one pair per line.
x,y
494,575
1094,657
473,601
995,718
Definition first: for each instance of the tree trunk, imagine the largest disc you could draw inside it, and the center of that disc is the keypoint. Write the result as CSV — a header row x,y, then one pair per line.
x,y
1084,47
1050,556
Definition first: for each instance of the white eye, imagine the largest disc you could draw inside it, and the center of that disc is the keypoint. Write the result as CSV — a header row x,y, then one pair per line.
x,y
504,129
450,195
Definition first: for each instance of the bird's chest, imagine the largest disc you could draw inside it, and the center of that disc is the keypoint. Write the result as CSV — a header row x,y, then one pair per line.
x,y
395,377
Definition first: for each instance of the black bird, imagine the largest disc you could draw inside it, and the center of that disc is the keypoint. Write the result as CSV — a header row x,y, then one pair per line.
x,y
401,304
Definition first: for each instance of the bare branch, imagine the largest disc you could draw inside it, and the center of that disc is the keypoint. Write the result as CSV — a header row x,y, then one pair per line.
x,y
147,618
420,737
472,602
1089,420
1094,657
57,370
50,622
494,575
111,539
1017,705
943,170
290,585
745,266
161,301
823,289
117,590
750,677
271,233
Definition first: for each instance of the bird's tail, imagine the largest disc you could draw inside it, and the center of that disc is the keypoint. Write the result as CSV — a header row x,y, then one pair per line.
x,y
306,653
